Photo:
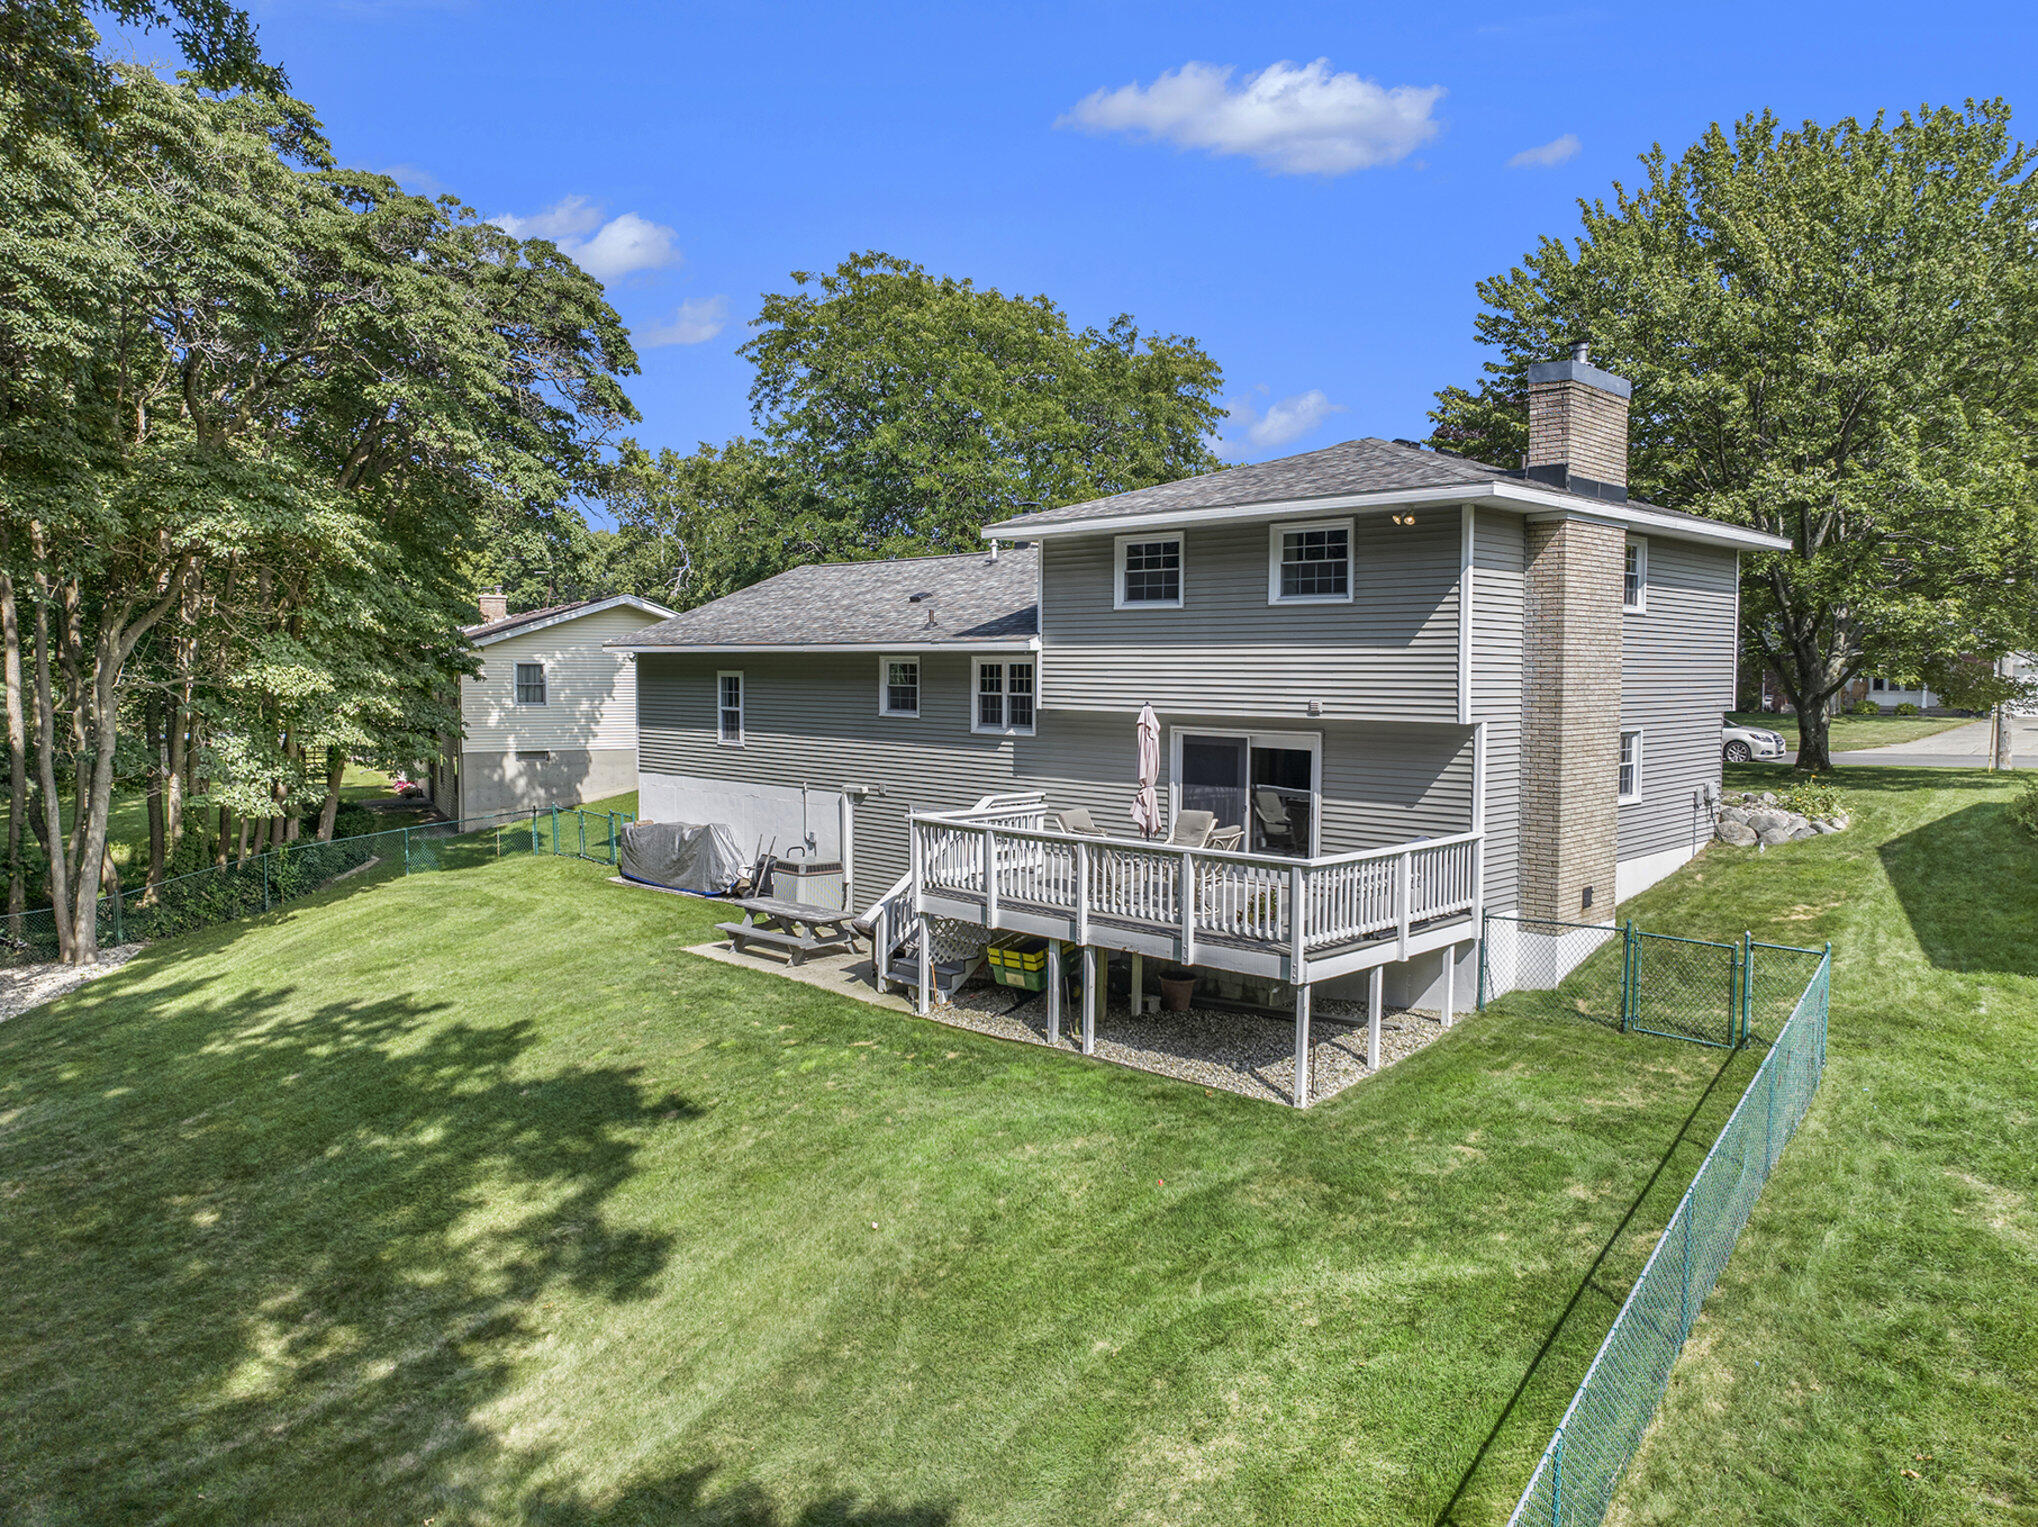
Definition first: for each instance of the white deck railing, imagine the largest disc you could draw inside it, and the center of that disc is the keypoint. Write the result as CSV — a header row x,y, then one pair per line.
x,y
1001,855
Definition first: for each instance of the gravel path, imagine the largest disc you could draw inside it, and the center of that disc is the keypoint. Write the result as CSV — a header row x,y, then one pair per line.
x,y
1239,1052
30,986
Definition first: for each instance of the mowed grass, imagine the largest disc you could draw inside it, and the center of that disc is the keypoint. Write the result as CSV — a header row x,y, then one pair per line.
x,y
470,1197
1881,1312
1849,733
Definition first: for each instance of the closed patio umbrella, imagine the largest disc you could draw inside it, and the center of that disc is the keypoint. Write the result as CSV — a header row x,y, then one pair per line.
x,y
1146,811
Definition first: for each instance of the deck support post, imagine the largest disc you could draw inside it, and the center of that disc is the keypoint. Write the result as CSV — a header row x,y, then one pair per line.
x,y
1138,981
1376,992
1054,991
925,1000
1090,998
1450,983
1302,1045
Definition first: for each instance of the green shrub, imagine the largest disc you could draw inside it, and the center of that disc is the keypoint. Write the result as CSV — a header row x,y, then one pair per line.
x,y
1908,709
2024,809
353,821
1809,798
1864,708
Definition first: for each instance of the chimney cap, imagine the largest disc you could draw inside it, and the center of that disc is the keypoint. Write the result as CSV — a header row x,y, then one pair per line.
x,y
1578,369
1581,350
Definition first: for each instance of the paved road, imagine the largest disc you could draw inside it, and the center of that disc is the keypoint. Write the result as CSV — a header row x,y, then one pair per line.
x,y
1962,747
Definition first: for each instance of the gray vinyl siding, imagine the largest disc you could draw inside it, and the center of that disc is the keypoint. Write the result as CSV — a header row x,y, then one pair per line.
x,y
1499,560
1677,675
813,719
1389,654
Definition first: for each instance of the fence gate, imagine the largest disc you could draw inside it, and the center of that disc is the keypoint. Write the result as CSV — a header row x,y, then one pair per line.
x,y
1684,988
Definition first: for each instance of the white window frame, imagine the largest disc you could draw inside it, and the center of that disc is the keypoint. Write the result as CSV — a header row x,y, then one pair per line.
x,y
516,681
1118,599
884,686
742,695
1639,545
1274,548
1004,663
1628,797
1310,742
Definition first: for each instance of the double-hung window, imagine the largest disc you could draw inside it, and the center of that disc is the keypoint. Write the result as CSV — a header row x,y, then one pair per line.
x,y
1004,696
729,709
1634,593
898,686
1150,572
530,683
1630,766
1310,563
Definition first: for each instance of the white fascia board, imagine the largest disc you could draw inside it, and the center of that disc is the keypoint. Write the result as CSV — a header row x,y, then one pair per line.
x,y
1002,644
564,616
1522,498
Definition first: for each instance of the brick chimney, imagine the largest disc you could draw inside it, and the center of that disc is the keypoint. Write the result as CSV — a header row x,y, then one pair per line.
x,y
494,606
1578,426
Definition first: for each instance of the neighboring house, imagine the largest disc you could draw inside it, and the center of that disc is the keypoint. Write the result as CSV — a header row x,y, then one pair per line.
x,y
1420,686
551,718
1887,693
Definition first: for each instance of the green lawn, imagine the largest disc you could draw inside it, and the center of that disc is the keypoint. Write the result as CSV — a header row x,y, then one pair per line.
x,y
1851,732
1884,1302
470,1197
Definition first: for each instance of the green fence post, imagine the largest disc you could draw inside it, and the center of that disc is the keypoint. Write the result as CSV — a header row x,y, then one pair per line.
x,y
1557,1480
555,832
265,882
1747,985
581,818
615,840
119,927
1630,1009
406,850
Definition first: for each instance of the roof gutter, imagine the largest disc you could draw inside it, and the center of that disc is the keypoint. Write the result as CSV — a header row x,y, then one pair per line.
x,y
1519,498
996,644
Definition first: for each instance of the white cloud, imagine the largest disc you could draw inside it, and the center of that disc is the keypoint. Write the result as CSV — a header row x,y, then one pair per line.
x,y
1248,428
1546,155
1290,119
605,250
697,321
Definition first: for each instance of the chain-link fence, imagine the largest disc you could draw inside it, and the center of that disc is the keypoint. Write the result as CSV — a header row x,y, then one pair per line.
x,y
1716,990
262,882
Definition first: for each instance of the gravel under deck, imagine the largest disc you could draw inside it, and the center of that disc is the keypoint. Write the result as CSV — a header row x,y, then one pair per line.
x,y
1245,1053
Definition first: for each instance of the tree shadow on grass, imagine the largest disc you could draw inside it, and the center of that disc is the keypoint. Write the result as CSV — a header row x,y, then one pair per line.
x,y
268,1262
688,1498
1934,870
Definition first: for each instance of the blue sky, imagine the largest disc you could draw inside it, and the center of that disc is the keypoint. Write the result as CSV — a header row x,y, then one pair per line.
x,y
1318,228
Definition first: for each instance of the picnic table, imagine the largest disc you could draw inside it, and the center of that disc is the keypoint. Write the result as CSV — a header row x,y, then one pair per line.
x,y
777,925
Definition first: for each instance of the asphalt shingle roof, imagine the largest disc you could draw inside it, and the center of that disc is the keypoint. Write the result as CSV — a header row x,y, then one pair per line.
x,y
523,618
1368,465
971,599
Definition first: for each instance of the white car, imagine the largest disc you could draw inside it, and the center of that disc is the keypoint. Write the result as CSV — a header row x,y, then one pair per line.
x,y
1738,744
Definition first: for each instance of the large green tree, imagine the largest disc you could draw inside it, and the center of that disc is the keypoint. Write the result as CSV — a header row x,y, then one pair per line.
x,y
908,410
1833,336
267,406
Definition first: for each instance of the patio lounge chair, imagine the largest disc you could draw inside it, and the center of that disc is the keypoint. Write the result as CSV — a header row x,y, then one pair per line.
x,y
1076,819
1229,839
1192,829
1275,824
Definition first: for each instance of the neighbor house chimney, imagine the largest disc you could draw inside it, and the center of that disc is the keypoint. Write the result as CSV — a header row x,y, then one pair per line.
x,y
494,606
1578,427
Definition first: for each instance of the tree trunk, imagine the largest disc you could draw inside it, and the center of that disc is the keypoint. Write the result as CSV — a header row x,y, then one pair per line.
x,y
1814,733
17,753
158,751
46,770
226,827
328,813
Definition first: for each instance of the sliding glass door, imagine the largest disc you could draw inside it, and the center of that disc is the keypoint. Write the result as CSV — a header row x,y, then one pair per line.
x,y
1265,783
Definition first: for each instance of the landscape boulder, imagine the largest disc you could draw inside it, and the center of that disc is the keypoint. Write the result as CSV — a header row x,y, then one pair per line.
x,y
1760,819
